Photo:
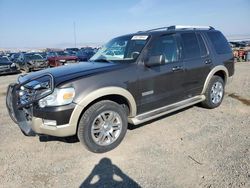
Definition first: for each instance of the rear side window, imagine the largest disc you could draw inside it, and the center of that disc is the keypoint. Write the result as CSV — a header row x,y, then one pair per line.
x,y
203,48
219,42
191,45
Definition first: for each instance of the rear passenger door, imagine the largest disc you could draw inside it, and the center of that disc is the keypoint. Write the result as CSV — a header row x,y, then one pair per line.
x,y
197,62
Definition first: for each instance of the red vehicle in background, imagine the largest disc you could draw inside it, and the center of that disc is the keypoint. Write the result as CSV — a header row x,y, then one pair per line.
x,y
60,58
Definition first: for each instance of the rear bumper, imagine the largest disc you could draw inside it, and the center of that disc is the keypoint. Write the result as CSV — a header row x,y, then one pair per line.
x,y
61,62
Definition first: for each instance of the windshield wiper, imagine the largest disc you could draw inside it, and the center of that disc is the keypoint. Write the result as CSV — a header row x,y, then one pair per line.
x,y
101,60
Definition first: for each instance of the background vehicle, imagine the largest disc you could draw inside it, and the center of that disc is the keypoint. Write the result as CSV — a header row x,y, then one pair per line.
x,y
43,54
241,44
155,73
85,54
14,57
72,51
31,61
60,58
7,66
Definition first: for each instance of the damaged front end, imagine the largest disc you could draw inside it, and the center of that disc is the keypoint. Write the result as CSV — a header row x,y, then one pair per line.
x,y
24,95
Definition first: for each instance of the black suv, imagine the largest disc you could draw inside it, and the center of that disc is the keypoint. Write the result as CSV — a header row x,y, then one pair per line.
x,y
133,78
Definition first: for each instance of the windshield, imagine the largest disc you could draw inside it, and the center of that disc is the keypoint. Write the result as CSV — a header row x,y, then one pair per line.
x,y
87,50
51,54
80,52
33,57
62,53
124,49
3,59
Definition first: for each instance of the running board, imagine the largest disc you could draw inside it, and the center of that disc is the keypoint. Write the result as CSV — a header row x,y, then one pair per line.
x,y
141,118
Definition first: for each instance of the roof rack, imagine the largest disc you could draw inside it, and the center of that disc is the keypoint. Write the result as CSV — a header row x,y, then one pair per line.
x,y
179,27
157,29
175,27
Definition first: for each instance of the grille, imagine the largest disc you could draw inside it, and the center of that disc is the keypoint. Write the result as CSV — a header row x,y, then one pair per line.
x,y
31,91
4,67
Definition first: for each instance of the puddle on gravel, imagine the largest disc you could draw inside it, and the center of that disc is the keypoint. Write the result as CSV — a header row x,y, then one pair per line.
x,y
239,98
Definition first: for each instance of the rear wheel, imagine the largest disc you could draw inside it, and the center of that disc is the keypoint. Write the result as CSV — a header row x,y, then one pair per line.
x,y
103,126
214,93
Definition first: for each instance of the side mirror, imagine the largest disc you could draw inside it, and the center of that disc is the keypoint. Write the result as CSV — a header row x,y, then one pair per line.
x,y
155,61
135,55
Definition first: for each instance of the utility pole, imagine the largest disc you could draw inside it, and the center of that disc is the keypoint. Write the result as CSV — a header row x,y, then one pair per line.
x,y
75,33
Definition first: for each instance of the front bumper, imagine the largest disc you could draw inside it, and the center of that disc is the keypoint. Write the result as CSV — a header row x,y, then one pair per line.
x,y
39,127
8,71
31,119
39,65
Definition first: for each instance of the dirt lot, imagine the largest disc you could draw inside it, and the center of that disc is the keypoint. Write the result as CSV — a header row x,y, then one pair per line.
x,y
194,147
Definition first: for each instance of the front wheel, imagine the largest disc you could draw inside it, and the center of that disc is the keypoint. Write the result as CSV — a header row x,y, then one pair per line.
x,y
103,126
214,93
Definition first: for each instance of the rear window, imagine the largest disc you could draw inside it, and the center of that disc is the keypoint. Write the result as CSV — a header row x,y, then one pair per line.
x,y
219,42
191,45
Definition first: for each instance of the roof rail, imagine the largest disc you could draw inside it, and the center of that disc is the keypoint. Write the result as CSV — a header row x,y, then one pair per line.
x,y
175,27
157,29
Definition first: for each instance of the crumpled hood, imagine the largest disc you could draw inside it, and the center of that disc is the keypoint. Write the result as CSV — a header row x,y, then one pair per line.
x,y
73,71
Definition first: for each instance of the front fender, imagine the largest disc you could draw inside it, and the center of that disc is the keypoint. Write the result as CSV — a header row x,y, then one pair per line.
x,y
102,92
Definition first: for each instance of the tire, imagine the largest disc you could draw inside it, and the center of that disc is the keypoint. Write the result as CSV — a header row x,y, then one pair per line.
x,y
97,132
214,93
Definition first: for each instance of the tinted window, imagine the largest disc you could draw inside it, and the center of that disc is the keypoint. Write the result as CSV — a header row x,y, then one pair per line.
x,y
33,57
191,45
219,42
203,48
167,46
4,59
62,53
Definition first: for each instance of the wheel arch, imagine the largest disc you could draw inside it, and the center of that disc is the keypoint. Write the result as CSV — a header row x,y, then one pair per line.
x,y
219,71
115,94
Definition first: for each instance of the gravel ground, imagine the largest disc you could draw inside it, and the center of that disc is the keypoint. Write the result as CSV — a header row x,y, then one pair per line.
x,y
194,147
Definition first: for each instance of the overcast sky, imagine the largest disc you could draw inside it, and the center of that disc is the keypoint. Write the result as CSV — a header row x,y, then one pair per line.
x,y
50,23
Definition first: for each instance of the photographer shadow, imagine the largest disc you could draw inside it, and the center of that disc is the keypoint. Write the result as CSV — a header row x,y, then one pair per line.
x,y
106,174
48,138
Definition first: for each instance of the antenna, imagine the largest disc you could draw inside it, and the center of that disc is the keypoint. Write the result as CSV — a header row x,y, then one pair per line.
x,y
75,33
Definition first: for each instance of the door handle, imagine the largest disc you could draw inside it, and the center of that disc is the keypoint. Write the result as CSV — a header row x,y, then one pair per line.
x,y
208,61
177,68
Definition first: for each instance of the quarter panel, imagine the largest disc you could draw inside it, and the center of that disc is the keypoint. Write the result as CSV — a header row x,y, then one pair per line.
x,y
211,73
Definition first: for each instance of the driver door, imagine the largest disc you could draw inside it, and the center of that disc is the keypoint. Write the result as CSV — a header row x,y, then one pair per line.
x,y
162,84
